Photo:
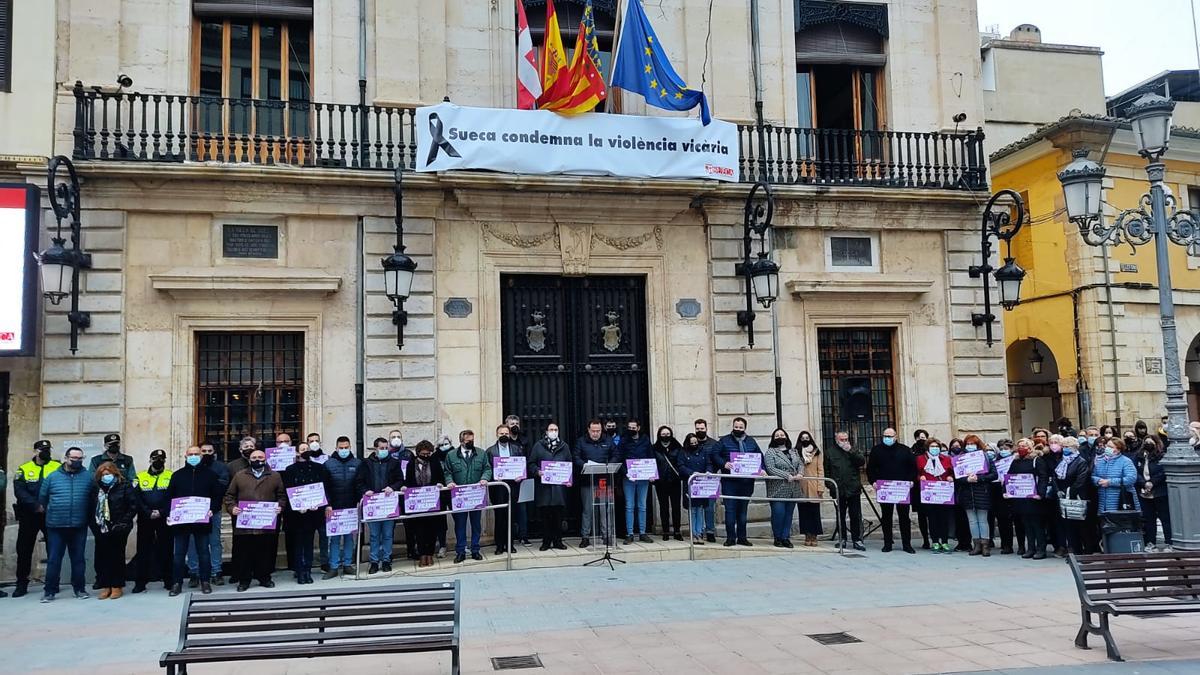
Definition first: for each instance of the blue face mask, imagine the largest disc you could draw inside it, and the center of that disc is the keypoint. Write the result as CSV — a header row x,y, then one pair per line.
x,y
972,447
1083,439
889,440
1006,453
344,453
108,479
1110,451
934,452
381,453
991,455
193,460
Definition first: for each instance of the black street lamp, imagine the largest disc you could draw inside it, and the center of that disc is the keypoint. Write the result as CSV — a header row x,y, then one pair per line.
x,y
998,222
761,273
61,265
1036,360
1157,218
399,268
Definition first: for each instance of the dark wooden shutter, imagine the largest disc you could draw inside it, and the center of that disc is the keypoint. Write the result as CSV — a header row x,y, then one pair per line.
x,y
261,9
6,12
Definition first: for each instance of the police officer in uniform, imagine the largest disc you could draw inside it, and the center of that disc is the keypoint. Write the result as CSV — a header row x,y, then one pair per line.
x,y
154,540
112,453
31,517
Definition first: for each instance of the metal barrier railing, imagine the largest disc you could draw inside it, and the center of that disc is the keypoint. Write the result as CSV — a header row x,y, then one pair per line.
x,y
827,482
434,514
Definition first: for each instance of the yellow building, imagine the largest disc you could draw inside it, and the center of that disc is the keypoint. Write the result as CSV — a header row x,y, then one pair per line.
x,y
1085,342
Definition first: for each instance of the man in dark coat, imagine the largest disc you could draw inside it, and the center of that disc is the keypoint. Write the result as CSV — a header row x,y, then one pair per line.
x,y
892,460
194,479
343,473
306,521
737,511
595,447
842,464
708,447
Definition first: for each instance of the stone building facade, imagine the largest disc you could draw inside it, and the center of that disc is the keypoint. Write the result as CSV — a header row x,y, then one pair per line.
x,y
874,282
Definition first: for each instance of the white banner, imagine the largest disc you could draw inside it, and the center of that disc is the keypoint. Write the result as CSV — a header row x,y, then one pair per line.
x,y
592,144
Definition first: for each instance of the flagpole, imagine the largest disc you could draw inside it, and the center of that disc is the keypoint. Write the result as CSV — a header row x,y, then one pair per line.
x,y
756,63
618,98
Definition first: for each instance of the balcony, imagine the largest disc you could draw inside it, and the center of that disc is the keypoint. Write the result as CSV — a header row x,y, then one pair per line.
x,y
134,127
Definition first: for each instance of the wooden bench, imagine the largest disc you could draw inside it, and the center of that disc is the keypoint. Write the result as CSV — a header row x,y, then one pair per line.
x,y
1139,584
355,621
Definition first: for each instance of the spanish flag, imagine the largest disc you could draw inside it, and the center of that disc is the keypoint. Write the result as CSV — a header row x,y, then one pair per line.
x,y
554,59
579,88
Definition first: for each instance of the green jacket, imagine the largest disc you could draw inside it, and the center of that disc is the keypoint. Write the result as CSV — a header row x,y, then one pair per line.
x,y
843,467
462,471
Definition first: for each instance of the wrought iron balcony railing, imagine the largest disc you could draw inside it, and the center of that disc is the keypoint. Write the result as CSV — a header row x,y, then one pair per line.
x,y
136,127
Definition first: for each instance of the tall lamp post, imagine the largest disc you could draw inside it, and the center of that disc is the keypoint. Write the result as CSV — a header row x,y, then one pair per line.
x,y
398,268
1155,218
998,222
761,273
61,265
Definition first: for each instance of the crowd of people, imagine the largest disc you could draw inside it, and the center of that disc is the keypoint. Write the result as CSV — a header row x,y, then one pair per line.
x,y
65,501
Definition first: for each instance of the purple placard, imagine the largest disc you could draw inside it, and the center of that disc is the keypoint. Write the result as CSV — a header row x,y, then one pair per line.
x,y
510,468
969,463
341,521
937,492
1020,485
319,459
1002,466
893,491
468,497
257,515
704,487
307,497
556,473
641,469
280,458
745,463
422,499
189,510
381,506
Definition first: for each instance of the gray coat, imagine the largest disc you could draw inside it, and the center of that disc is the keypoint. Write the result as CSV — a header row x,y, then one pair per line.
x,y
783,463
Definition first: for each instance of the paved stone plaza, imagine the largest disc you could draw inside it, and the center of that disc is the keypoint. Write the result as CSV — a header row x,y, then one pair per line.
x,y
914,614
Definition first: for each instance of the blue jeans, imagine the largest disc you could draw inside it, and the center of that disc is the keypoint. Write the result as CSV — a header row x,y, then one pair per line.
x,y
341,550
60,540
697,513
382,532
198,542
781,519
214,550
635,497
460,531
736,512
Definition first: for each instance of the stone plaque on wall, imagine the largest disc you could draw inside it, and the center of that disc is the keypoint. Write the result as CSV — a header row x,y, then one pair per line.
x,y
1153,365
249,241
457,308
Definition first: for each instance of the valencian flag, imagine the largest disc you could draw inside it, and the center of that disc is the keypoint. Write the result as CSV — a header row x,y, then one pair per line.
x,y
579,87
641,66
529,84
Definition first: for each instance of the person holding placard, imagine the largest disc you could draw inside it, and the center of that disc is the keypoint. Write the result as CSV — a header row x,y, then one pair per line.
x,y
113,507
343,472
208,458
381,472
668,488
693,459
935,466
464,466
809,512
309,505
254,542
920,438
1027,506
892,460
783,462
737,445
709,446
974,472
424,471
1001,516
842,464
502,456
194,482
551,494
634,446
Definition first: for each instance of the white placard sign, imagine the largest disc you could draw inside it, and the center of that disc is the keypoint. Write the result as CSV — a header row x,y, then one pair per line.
x,y
592,144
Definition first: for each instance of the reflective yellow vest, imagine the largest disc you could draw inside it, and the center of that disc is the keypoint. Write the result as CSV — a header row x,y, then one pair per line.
x,y
31,473
148,481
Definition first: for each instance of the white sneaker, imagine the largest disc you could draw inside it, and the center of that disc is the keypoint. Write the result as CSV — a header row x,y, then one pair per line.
x,y
441,552
1149,548
1166,548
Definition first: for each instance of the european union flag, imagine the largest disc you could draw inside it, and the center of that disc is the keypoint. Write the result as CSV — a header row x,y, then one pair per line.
x,y
642,67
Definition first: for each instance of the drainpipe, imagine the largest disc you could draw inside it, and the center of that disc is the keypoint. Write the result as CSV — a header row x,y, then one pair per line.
x,y
360,313
364,135
1108,304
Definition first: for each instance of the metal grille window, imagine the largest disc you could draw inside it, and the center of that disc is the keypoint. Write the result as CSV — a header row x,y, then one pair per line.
x,y
851,252
6,15
248,384
857,383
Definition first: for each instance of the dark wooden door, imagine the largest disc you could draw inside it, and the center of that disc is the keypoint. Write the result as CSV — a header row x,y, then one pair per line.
x,y
574,348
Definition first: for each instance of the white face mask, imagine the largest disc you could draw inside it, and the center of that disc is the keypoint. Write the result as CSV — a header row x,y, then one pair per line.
x,y
283,444
314,446
396,442
552,435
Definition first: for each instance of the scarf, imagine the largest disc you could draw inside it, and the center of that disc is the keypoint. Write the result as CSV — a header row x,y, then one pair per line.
x,y
103,512
423,471
1060,471
808,454
937,469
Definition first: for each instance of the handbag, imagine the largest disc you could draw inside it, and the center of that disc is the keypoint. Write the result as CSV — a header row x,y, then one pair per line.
x,y
1072,509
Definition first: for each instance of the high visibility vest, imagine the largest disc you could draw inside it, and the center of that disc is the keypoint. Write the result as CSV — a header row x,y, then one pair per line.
x,y
148,481
33,474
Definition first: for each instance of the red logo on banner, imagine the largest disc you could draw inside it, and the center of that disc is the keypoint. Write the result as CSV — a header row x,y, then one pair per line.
x,y
8,336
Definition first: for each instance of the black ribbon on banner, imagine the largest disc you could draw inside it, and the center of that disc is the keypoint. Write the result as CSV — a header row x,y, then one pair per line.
x,y
438,140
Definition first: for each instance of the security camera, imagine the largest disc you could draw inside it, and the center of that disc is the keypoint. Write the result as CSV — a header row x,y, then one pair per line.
x,y
958,119
124,80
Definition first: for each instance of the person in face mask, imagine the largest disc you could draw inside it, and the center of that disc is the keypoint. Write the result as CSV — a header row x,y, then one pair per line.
x,y
208,458
973,495
463,466
1056,529
612,432
1072,479
809,513
343,472
1115,476
65,498
920,438
31,517
1001,517
1091,442
634,446
504,447
669,486
381,471
194,479
1151,484
318,455
709,447
782,461
306,521
842,465
112,453
155,542
1030,460
597,447
935,465
736,510
112,510
515,431
550,498
424,471
254,550
242,461
396,446
892,460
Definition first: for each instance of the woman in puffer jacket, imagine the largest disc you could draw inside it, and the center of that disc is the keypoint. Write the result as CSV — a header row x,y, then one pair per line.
x,y
1113,475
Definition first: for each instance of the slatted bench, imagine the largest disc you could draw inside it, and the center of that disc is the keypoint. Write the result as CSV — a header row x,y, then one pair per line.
x,y
357,621
1139,584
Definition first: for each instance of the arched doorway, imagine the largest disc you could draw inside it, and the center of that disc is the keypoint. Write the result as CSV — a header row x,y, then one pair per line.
x,y
1033,396
1191,370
